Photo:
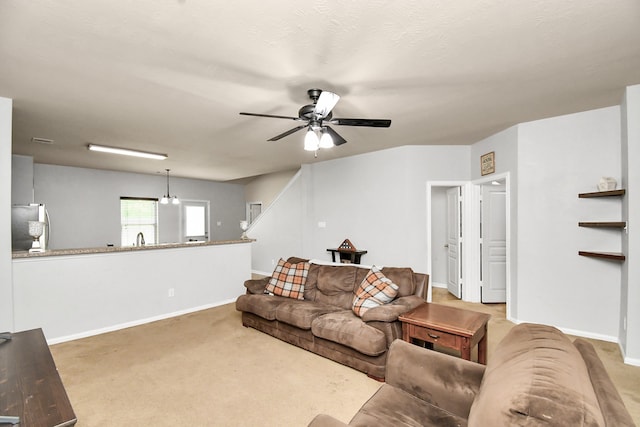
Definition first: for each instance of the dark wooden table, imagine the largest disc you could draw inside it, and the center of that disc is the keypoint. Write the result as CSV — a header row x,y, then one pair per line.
x,y
30,387
346,255
449,327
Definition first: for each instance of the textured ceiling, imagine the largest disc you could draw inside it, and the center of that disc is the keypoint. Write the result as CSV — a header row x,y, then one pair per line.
x,y
170,76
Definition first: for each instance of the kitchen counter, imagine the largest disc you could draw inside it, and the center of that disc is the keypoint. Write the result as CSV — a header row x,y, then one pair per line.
x,y
73,294
111,249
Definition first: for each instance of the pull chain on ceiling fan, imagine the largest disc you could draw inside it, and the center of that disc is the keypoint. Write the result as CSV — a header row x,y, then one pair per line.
x,y
317,117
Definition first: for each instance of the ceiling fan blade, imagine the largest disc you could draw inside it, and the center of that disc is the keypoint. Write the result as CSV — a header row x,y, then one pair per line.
x,y
337,139
375,123
270,115
287,133
326,102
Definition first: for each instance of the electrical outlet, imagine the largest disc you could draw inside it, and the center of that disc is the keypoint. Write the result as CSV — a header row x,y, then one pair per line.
x,y
273,262
171,292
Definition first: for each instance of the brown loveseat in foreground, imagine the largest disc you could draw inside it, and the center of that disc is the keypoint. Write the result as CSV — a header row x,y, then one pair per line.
x,y
535,377
324,322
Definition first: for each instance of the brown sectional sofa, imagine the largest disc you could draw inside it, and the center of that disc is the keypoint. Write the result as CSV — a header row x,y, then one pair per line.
x,y
536,377
324,322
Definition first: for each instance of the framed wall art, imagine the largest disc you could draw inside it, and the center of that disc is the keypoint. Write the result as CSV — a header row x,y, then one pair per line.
x,y
488,163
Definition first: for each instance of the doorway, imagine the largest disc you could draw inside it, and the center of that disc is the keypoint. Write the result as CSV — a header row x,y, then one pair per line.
x,y
470,253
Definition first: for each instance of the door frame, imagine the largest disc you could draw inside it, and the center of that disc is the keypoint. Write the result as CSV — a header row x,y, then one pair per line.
x,y
471,192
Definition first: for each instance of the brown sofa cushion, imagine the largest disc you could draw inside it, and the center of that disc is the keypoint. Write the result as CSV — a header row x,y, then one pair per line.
x,y
302,313
335,285
390,312
261,305
344,327
403,277
535,377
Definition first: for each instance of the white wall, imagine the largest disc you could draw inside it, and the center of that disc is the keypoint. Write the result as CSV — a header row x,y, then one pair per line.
x,y
505,146
75,296
265,188
376,200
278,230
630,292
557,159
21,180
6,289
77,199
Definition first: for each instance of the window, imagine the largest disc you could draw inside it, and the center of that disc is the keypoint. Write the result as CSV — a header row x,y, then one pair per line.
x,y
195,217
138,216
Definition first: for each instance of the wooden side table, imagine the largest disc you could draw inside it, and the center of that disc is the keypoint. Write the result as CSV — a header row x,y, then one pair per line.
x,y
449,327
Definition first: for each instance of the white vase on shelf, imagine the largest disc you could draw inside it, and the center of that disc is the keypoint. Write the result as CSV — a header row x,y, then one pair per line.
x,y
607,183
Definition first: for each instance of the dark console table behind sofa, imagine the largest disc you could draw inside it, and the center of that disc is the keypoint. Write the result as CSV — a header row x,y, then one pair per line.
x,y
30,387
346,256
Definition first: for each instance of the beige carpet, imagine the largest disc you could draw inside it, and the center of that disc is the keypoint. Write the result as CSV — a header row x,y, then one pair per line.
x,y
205,369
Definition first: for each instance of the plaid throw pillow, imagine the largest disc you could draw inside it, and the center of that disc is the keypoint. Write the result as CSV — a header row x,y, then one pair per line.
x,y
288,280
374,290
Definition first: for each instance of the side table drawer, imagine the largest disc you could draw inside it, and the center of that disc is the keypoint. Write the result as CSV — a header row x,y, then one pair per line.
x,y
434,336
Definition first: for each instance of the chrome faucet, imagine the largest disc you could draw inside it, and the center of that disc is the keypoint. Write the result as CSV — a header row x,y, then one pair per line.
x,y
140,239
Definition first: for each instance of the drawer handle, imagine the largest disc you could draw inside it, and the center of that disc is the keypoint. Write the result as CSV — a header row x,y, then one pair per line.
x,y
434,336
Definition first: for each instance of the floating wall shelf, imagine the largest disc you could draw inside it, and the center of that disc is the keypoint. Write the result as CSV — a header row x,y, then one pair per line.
x,y
604,224
610,193
615,256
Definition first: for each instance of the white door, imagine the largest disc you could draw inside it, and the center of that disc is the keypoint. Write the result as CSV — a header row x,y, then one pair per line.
x,y
454,241
493,233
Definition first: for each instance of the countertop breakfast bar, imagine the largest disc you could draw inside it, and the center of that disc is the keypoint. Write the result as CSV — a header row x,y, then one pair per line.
x,y
73,293
111,249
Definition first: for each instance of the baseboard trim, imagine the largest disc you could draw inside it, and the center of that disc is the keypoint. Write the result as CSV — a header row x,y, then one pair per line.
x,y
439,285
632,361
133,323
574,332
628,360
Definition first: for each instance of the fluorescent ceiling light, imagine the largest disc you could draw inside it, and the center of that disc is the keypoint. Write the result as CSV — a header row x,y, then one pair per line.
x,y
127,152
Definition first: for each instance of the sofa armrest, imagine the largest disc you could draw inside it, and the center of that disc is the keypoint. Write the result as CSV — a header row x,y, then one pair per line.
x,y
611,405
390,312
446,381
256,286
323,420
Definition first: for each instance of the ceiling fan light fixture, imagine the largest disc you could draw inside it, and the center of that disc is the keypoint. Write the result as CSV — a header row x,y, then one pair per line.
x,y
325,140
311,142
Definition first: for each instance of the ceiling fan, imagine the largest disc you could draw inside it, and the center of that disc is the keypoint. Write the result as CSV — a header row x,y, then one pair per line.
x,y
317,117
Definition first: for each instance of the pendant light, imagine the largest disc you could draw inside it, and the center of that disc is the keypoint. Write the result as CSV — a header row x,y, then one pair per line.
x,y
165,199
